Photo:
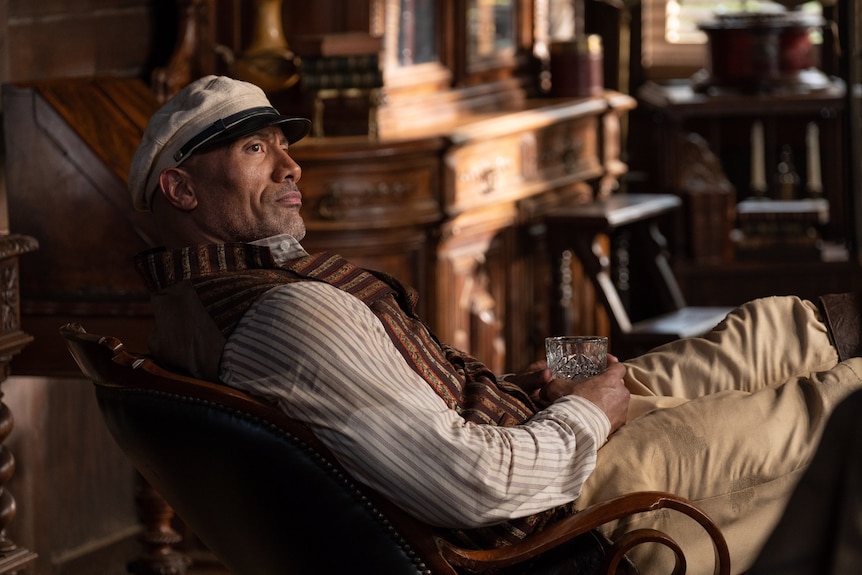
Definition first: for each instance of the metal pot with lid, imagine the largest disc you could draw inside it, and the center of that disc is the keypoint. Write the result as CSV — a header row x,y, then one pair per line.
x,y
763,51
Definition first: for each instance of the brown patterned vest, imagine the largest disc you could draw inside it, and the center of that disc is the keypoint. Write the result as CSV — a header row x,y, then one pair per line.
x,y
228,278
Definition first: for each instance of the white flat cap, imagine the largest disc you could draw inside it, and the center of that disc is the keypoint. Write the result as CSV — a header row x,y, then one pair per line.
x,y
209,111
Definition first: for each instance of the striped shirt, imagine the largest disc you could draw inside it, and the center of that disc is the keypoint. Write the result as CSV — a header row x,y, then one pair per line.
x,y
326,360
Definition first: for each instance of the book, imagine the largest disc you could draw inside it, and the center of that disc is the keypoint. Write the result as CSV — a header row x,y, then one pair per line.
x,y
361,71
786,230
812,211
338,44
339,64
341,81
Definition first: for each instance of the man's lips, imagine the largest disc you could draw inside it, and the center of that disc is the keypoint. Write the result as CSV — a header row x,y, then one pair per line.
x,y
291,199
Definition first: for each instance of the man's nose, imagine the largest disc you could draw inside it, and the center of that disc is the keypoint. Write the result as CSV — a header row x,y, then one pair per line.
x,y
288,168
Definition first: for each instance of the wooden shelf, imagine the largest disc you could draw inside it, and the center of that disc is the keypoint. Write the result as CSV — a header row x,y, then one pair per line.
x,y
737,282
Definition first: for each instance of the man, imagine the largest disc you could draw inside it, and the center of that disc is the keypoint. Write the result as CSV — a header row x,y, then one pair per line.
x,y
728,420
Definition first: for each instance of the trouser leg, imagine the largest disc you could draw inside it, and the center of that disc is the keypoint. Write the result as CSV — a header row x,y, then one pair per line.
x,y
737,455
740,445
761,343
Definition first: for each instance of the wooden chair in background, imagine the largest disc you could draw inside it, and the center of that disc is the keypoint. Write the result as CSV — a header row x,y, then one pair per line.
x,y
660,313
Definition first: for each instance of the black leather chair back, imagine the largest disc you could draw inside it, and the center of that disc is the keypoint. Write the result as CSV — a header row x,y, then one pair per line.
x,y
255,493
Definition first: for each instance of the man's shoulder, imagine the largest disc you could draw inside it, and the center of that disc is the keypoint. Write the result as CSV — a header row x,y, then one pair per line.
x,y
161,267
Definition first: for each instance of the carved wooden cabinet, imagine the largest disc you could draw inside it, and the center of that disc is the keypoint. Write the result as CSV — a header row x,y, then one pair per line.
x,y
373,201
501,175
828,260
457,212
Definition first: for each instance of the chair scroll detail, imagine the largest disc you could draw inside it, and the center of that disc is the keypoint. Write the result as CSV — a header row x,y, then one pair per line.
x,y
266,496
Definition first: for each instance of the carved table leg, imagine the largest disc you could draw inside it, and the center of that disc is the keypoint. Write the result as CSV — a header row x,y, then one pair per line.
x,y
12,340
12,557
158,539
7,470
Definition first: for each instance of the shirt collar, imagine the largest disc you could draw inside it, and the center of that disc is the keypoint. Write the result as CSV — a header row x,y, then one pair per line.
x,y
283,248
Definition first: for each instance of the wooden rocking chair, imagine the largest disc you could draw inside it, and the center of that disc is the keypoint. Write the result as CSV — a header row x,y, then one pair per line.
x,y
267,498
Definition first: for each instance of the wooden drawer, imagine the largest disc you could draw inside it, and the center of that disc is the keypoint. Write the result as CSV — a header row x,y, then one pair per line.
x,y
569,149
515,166
367,191
487,172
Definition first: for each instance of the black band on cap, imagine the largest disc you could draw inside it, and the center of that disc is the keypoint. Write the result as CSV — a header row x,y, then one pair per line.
x,y
220,126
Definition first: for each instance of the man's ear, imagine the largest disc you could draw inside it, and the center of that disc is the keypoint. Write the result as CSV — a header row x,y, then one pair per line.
x,y
174,185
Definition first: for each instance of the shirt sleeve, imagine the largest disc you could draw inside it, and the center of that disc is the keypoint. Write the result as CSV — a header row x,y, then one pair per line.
x,y
326,360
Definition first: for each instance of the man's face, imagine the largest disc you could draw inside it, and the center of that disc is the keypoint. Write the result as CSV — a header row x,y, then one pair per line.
x,y
247,190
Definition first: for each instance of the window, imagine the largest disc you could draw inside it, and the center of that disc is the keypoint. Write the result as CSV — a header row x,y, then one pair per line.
x,y
417,43
490,34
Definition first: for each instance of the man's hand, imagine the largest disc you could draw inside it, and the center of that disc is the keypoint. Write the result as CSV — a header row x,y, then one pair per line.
x,y
535,376
606,390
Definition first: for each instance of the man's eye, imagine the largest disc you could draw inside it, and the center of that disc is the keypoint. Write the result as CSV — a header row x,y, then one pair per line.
x,y
255,148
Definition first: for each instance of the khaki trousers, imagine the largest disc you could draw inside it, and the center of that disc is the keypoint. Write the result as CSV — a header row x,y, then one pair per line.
x,y
729,420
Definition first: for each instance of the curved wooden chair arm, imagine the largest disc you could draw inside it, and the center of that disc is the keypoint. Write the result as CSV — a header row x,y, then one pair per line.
x,y
591,518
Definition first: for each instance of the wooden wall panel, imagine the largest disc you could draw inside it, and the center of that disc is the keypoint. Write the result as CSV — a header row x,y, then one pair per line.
x,y
73,487
325,16
48,39
85,224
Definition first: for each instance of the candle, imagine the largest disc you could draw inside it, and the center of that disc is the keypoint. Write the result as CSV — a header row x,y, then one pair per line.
x,y
812,144
758,169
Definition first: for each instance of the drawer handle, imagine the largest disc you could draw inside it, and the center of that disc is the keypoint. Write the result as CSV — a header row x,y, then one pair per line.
x,y
489,179
486,175
571,154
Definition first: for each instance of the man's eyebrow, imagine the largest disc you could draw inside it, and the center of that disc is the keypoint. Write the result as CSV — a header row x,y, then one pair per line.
x,y
264,134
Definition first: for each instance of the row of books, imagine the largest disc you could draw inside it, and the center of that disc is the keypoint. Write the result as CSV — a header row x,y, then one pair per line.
x,y
780,229
340,73
339,61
